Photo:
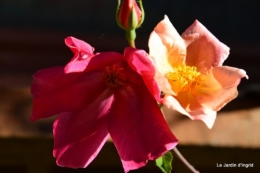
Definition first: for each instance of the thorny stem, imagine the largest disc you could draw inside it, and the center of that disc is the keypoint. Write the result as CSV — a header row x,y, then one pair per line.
x,y
177,152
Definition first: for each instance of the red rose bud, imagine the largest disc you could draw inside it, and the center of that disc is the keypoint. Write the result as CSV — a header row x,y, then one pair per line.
x,y
129,15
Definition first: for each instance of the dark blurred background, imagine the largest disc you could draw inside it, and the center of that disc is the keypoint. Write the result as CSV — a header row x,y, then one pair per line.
x,y
32,34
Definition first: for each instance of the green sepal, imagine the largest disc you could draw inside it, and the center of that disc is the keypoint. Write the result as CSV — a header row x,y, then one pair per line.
x,y
117,15
165,162
132,22
142,16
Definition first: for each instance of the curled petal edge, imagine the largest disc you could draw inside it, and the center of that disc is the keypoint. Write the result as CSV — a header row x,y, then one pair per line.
x,y
208,116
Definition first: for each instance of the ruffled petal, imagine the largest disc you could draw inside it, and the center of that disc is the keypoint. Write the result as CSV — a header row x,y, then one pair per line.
x,y
228,76
193,110
166,47
98,61
81,49
208,116
55,92
79,136
204,50
138,128
138,60
227,80
173,104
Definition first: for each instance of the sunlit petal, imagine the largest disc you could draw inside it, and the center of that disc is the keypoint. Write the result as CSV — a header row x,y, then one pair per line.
x,y
143,137
204,50
166,47
227,80
79,135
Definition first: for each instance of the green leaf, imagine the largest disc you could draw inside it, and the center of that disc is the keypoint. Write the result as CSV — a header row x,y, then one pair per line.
x,y
165,162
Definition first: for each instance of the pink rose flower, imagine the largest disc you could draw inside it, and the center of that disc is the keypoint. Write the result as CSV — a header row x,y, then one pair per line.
x,y
189,70
102,94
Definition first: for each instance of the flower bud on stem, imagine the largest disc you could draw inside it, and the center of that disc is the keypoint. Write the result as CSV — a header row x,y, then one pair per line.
x,y
130,16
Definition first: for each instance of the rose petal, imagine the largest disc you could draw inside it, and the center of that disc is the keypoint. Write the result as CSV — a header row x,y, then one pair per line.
x,y
208,116
85,60
171,103
204,50
166,47
55,92
138,128
80,48
138,60
79,136
98,61
77,45
227,78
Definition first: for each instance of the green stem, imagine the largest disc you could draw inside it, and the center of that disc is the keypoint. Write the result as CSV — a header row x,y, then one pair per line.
x,y
177,152
131,43
130,36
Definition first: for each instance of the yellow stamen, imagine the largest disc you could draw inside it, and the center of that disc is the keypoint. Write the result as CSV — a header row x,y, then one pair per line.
x,y
184,78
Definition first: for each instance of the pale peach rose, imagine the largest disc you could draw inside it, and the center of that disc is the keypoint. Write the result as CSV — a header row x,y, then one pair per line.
x,y
190,72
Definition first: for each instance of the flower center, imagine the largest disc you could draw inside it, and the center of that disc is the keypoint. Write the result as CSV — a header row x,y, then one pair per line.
x,y
114,76
184,78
